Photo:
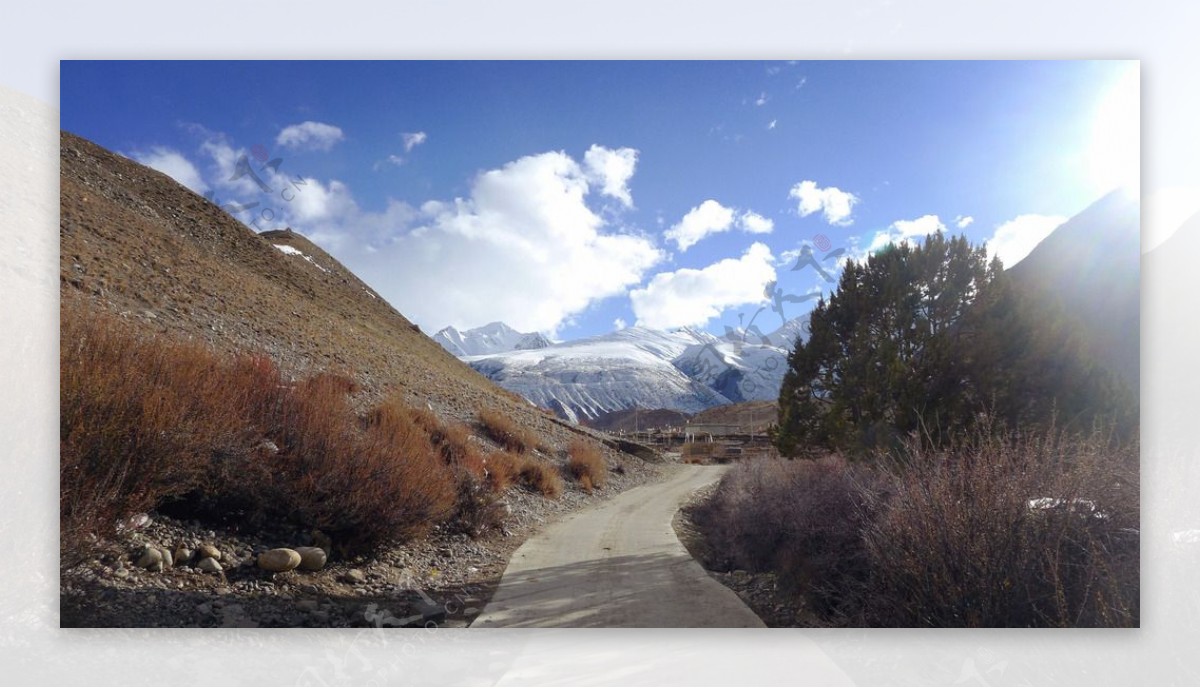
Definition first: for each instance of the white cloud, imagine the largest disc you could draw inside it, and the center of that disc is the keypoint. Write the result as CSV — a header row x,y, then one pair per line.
x,y
754,223
762,100
1014,239
620,324
710,217
772,124
963,221
309,136
835,204
413,139
173,164
612,170
524,247
902,231
693,297
707,218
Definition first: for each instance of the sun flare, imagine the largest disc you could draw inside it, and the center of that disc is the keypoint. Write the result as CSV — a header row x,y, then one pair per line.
x,y
1114,153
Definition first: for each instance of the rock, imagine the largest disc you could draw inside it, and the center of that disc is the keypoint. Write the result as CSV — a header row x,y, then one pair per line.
x,y
209,565
204,608
208,551
167,560
312,558
307,605
121,572
354,577
182,555
151,558
278,560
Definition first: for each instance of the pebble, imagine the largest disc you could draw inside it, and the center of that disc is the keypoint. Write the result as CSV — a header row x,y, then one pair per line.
x,y
209,565
182,555
121,572
311,558
150,559
278,560
354,577
207,551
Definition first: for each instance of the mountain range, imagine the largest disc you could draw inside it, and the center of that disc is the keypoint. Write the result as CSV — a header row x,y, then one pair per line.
x,y
1089,266
686,370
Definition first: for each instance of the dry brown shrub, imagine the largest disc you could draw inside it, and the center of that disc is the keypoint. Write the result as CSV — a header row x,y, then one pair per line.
x,y
505,432
585,464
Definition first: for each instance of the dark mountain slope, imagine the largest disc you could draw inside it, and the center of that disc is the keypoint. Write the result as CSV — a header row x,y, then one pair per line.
x,y
1090,265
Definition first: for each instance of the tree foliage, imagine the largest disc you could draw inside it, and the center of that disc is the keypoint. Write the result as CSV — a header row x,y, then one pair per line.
x,y
925,340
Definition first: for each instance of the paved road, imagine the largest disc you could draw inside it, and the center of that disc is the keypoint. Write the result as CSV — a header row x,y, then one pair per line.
x,y
617,564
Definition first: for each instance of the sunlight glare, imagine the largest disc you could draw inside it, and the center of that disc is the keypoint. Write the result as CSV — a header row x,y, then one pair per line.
x,y
1114,153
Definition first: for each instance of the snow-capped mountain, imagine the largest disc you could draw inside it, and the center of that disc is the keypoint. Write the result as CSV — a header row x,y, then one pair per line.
x,y
686,370
492,338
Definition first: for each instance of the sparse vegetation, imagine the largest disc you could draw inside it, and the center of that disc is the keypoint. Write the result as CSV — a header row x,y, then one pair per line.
x,y
505,432
585,463
954,537
541,477
152,422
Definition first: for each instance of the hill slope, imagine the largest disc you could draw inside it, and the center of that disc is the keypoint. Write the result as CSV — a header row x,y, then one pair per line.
x,y
1091,266
136,243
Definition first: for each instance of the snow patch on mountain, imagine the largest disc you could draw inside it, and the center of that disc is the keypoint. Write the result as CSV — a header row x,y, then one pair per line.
x,y
492,338
686,370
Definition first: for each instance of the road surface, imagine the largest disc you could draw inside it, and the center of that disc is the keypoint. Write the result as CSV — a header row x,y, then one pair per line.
x,y
617,564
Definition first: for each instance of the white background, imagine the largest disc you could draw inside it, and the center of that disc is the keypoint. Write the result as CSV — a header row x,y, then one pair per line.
x,y
32,40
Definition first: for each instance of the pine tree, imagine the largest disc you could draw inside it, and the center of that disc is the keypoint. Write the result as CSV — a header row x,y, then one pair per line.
x,y
925,341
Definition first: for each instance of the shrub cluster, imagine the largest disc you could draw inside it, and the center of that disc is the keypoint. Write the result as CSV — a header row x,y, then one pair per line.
x,y
997,531
505,432
585,463
152,423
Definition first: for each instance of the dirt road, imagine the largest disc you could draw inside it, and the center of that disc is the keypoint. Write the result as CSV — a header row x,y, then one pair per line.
x,y
618,564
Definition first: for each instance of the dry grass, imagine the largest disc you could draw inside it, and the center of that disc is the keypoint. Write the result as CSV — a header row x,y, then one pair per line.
x,y
960,544
946,539
505,432
585,463
801,519
505,469
541,477
154,423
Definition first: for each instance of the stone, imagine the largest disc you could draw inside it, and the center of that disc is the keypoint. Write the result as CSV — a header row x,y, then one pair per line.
x,y
209,565
151,557
121,572
182,555
208,551
354,577
311,558
279,560
167,560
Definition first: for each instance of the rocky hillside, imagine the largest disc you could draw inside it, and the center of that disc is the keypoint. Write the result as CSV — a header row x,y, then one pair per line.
x,y
136,243
233,402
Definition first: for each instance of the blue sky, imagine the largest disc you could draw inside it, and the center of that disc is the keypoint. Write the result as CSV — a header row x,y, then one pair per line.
x,y
573,197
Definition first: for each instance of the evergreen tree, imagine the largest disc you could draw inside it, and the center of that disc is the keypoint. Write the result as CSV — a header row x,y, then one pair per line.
x,y
921,341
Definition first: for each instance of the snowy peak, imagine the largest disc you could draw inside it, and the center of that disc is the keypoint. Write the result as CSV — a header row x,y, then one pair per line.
x,y
686,370
492,338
